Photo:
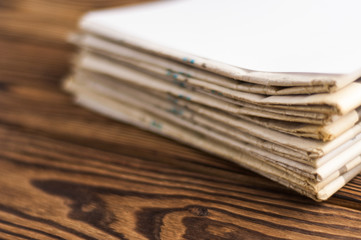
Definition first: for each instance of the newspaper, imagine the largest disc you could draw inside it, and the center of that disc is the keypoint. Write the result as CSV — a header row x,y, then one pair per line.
x,y
317,190
324,168
345,100
183,81
301,149
287,108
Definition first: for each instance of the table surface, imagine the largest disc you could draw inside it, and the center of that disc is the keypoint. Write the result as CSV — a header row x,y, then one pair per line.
x,y
68,173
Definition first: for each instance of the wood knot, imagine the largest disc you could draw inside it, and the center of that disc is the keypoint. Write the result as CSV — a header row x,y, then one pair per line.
x,y
3,87
199,211
89,207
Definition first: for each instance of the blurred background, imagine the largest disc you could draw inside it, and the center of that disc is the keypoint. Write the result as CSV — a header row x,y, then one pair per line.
x,y
33,34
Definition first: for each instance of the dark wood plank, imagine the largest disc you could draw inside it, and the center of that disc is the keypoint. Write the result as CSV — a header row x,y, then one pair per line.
x,y
36,61
61,190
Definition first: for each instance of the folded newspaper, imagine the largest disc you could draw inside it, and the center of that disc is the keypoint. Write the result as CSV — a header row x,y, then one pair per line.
x,y
272,85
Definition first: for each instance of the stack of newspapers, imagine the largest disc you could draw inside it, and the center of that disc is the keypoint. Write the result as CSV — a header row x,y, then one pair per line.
x,y
271,85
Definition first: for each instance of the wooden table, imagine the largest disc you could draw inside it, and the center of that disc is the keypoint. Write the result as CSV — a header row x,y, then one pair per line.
x,y
68,173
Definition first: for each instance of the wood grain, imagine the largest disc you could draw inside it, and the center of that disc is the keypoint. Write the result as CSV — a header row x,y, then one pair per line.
x,y
70,188
67,173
